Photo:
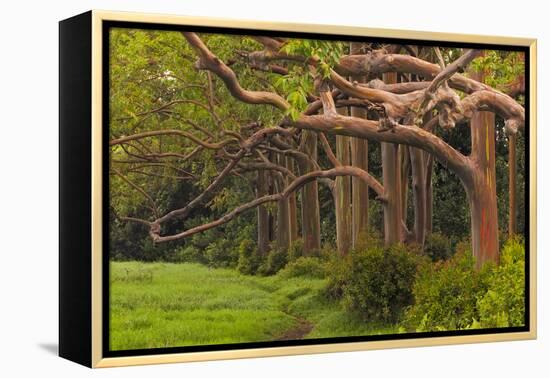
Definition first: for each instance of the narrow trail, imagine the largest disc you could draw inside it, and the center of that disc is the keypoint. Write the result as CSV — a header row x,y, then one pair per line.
x,y
298,332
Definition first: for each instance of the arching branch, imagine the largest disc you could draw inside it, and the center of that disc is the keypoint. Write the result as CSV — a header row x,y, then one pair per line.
x,y
209,61
294,186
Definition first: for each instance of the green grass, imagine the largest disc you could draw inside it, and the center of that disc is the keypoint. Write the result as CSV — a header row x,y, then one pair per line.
x,y
156,305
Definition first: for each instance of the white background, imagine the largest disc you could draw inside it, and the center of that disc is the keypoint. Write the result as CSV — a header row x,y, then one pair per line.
x,y
29,189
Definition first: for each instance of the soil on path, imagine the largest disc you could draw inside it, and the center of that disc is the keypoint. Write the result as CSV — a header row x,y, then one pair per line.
x,y
299,331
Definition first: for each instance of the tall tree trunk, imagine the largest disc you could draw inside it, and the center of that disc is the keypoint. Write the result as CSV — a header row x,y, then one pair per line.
x,y
262,214
342,195
512,184
391,175
482,191
405,164
418,170
292,209
283,210
311,223
429,193
359,159
483,210
359,190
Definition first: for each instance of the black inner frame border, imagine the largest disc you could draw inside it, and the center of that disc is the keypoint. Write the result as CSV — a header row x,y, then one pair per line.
x,y
106,352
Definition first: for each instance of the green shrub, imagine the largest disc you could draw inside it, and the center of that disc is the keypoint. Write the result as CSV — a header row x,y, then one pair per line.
x,y
188,254
296,250
438,247
378,282
503,305
248,257
338,271
276,260
453,295
311,267
221,254
445,294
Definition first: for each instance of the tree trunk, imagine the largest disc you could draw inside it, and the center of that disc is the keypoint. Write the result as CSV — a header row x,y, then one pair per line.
x,y
512,185
405,164
359,190
342,195
391,175
359,159
418,171
292,209
482,191
429,193
283,210
483,210
311,224
262,214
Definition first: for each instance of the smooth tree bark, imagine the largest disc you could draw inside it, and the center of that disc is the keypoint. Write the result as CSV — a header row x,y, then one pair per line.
x,y
283,210
262,214
391,177
359,159
292,205
512,185
342,195
405,164
482,188
418,174
311,219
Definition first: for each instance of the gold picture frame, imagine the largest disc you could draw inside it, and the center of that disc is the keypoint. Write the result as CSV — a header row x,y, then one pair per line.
x,y
83,276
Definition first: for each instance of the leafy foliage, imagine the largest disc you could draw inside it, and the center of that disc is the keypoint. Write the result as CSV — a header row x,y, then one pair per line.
x,y
296,250
376,282
248,257
276,260
500,67
438,247
453,295
503,305
304,267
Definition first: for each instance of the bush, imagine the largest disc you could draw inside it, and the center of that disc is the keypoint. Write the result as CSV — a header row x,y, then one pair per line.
x,y
296,250
221,254
337,268
378,282
503,305
438,247
445,294
453,295
276,260
188,254
248,257
304,267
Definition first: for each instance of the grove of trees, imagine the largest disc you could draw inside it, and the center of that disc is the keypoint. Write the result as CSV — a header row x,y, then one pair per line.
x,y
279,140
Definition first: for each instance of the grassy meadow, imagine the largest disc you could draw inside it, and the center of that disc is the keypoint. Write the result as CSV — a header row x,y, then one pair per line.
x,y
156,305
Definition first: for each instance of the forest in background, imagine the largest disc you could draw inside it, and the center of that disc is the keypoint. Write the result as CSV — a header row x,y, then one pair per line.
x,y
392,177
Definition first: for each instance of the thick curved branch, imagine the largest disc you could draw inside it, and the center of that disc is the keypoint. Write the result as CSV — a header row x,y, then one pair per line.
x,y
408,135
211,62
496,102
378,62
253,141
294,186
184,211
445,74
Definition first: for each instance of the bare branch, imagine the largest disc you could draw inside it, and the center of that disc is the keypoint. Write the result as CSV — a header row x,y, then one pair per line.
x,y
210,62
294,186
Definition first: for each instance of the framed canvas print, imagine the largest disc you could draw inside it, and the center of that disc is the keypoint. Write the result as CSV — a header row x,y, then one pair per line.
x,y
235,189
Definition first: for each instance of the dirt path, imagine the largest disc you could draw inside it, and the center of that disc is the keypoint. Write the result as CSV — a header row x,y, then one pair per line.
x,y
301,329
